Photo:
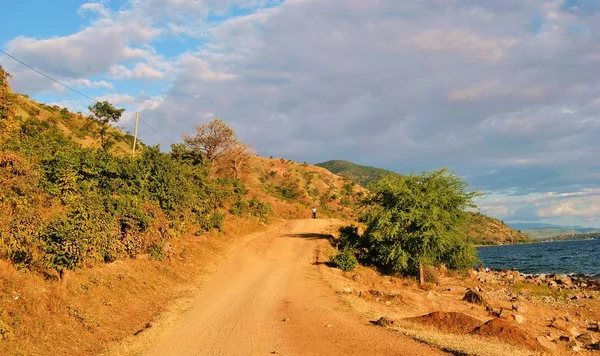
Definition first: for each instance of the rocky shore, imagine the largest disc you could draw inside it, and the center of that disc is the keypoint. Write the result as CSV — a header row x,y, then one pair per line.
x,y
570,323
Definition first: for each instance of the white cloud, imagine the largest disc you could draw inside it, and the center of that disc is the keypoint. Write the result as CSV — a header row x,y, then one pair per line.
x,y
199,69
94,7
139,71
464,42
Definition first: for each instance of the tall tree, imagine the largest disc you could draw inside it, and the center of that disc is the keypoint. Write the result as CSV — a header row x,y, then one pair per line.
x,y
104,113
419,220
220,145
7,109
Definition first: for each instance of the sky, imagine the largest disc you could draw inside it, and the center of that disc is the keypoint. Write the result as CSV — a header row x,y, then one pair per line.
x,y
504,93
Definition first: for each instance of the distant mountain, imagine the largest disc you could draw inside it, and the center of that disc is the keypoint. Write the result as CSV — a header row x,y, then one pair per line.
x,y
524,226
362,175
542,230
485,230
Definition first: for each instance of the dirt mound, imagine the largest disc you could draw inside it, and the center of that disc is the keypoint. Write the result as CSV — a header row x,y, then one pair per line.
x,y
507,332
452,322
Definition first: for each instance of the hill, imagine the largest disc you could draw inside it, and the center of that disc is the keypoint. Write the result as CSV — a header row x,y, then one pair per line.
x,y
485,230
362,175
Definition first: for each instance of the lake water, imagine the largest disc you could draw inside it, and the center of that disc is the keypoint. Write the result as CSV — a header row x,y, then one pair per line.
x,y
564,257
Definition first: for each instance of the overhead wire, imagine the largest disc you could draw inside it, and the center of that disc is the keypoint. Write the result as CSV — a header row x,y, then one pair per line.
x,y
78,92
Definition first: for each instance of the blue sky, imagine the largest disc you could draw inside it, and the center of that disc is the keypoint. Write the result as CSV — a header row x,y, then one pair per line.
x,y
505,93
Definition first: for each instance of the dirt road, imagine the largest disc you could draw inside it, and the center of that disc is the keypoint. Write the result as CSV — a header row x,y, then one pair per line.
x,y
242,309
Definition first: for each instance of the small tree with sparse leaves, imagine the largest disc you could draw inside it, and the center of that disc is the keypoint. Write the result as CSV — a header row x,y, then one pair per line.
x,y
105,113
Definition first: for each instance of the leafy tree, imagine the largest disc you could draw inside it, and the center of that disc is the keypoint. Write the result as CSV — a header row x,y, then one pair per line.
x,y
104,113
418,220
7,110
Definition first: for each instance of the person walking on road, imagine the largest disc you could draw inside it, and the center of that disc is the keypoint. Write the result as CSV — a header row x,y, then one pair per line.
x,y
314,213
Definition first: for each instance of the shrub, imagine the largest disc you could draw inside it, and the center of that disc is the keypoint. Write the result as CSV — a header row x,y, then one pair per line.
x,y
349,237
62,249
344,260
157,252
212,221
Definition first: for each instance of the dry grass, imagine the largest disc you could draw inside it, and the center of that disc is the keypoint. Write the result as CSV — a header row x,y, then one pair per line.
x,y
459,344
106,303
540,291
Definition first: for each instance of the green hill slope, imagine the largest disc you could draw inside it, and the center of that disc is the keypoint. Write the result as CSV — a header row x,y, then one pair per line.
x,y
362,175
485,230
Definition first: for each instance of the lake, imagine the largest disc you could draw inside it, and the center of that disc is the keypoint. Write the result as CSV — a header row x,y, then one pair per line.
x,y
563,257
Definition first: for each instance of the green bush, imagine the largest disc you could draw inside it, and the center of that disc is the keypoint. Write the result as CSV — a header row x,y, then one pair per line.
x,y
349,237
157,252
417,221
344,260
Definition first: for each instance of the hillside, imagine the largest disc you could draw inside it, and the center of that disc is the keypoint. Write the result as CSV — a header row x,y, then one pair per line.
x,y
78,128
485,230
362,175
290,187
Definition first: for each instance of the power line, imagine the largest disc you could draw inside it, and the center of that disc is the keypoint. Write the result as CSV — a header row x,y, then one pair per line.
x,y
80,93
49,77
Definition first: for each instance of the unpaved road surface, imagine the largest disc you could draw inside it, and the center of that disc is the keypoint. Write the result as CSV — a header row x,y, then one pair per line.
x,y
242,309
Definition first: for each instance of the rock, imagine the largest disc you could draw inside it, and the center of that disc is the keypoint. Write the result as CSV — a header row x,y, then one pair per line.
x,y
520,308
383,321
547,344
473,297
286,319
552,335
575,297
563,280
574,346
388,303
542,277
356,278
560,325
347,290
519,319
328,326
566,338
587,339
552,284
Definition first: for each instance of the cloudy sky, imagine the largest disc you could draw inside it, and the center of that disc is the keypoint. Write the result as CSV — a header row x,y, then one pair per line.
x,y
505,93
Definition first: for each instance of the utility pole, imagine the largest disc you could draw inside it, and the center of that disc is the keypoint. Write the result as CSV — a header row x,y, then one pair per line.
x,y
137,118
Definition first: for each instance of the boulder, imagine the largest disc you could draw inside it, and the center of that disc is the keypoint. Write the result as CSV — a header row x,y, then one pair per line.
x,y
563,280
546,343
473,297
519,319
587,339
574,346
562,326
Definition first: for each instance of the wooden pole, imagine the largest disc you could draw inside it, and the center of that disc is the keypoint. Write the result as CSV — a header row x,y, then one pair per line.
x,y
137,118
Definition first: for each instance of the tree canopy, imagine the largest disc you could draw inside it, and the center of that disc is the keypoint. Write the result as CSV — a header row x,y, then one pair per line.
x,y
105,113
7,110
417,220
218,142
